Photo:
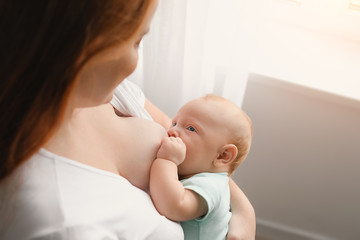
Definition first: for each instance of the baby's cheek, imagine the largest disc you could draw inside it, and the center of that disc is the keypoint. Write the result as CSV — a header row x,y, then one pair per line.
x,y
189,151
184,166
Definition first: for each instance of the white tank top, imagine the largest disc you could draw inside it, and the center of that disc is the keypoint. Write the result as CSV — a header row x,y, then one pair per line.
x,y
64,199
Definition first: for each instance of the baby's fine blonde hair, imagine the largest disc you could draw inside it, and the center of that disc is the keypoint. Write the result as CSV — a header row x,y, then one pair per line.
x,y
241,128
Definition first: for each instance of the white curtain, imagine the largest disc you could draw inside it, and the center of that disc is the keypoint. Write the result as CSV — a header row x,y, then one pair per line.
x,y
194,47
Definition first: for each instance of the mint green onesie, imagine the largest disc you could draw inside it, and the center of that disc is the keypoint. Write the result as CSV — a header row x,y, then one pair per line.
x,y
214,188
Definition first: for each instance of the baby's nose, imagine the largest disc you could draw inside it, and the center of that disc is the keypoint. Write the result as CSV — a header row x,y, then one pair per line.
x,y
172,132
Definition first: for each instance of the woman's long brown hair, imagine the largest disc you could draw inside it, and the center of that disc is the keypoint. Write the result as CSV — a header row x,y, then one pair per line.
x,y
43,46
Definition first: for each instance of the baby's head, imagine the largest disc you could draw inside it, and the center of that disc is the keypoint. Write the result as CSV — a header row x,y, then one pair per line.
x,y
216,132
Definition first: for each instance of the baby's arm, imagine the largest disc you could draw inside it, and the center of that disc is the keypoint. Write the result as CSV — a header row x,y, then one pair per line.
x,y
170,198
242,223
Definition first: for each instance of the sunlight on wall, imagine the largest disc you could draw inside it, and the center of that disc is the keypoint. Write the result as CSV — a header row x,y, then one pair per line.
x,y
355,5
323,16
316,45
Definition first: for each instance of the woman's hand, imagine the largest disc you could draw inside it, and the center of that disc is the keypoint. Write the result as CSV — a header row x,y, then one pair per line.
x,y
239,229
242,225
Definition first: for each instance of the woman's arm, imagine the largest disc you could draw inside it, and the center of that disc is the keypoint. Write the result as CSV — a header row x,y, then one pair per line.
x,y
170,198
157,115
242,224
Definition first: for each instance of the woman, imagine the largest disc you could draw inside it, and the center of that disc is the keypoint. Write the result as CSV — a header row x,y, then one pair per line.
x,y
64,151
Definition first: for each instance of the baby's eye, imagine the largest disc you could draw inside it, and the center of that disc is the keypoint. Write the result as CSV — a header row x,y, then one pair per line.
x,y
174,124
191,129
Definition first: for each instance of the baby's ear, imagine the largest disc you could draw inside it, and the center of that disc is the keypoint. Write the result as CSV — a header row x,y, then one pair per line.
x,y
226,155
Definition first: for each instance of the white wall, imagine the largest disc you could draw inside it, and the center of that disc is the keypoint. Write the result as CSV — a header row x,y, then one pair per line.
x,y
303,170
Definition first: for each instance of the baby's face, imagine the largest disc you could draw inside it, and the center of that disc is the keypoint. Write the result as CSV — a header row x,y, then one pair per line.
x,y
204,131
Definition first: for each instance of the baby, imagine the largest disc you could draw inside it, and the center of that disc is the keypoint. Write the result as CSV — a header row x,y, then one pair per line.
x,y
208,140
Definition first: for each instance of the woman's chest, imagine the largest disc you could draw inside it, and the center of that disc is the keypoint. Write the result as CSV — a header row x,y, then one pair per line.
x,y
126,146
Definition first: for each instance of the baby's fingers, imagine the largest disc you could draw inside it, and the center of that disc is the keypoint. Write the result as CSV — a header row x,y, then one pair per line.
x,y
175,139
173,149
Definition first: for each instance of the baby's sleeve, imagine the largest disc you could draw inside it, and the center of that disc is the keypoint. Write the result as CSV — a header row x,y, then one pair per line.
x,y
88,232
207,188
129,99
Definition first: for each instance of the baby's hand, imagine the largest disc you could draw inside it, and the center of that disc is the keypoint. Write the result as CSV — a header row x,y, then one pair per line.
x,y
173,149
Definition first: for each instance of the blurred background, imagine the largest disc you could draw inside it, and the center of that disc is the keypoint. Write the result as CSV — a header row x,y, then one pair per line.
x,y
294,67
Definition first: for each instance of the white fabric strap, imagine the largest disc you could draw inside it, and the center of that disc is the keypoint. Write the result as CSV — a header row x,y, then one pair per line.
x,y
130,100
